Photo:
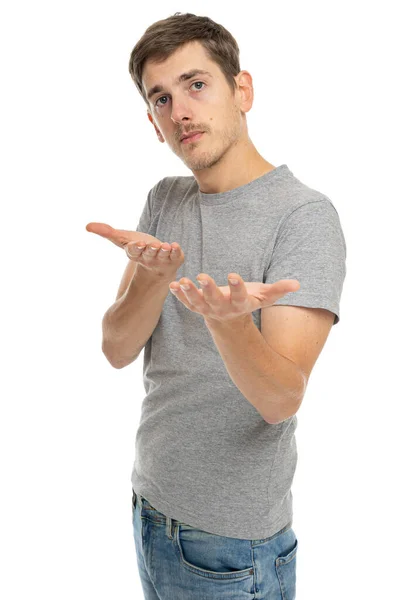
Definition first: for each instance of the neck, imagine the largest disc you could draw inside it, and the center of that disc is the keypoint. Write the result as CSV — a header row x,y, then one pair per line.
x,y
241,164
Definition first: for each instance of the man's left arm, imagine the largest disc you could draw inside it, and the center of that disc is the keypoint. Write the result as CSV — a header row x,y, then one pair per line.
x,y
272,383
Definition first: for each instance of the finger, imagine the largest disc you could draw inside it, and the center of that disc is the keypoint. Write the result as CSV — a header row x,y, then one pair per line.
x,y
238,289
294,284
284,286
119,237
189,294
149,251
175,289
211,292
101,229
163,252
135,249
189,290
178,292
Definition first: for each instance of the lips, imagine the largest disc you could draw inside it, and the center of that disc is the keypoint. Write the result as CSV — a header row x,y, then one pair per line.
x,y
194,135
191,135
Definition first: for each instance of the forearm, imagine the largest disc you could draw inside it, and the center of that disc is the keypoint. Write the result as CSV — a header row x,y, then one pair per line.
x,y
130,321
273,384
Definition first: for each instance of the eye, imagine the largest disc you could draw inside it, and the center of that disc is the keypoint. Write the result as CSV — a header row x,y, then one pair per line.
x,y
202,83
194,83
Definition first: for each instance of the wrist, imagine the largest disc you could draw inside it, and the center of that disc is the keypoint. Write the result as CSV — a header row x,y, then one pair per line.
x,y
235,323
147,276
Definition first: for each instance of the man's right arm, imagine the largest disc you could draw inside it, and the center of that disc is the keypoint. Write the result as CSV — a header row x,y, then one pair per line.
x,y
130,321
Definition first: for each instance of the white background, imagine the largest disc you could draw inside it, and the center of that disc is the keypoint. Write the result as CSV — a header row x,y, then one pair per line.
x,y
76,146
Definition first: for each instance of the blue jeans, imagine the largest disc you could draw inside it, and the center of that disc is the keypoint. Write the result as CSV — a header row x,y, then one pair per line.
x,y
179,562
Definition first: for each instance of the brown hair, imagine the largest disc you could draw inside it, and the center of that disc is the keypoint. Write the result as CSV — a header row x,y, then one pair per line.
x,y
163,37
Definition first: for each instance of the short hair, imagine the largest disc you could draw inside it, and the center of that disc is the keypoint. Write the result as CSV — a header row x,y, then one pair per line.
x,y
163,37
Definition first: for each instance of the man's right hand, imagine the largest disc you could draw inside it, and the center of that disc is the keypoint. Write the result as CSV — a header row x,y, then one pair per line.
x,y
159,258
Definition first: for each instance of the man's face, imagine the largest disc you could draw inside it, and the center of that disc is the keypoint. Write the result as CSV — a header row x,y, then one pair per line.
x,y
203,102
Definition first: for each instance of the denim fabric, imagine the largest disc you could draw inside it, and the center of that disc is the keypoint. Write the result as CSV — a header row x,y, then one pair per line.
x,y
179,562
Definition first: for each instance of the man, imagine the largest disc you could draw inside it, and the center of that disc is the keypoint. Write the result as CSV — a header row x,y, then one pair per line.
x,y
225,366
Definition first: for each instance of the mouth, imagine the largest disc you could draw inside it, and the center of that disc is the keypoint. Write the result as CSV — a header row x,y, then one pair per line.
x,y
192,138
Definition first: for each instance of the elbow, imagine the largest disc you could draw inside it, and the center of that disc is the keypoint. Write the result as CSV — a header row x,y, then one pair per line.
x,y
283,415
111,362
288,405
117,364
281,419
106,351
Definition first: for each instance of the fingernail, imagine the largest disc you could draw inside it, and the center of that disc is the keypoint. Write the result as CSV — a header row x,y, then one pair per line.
x,y
233,281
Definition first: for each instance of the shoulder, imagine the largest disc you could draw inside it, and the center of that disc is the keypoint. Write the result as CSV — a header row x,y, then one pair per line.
x,y
177,184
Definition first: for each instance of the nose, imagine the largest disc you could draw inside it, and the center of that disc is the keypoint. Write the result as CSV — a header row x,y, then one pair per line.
x,y
180,112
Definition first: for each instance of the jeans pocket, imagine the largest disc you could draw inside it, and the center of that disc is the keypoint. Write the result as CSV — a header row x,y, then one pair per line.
x,y
214,556
285,565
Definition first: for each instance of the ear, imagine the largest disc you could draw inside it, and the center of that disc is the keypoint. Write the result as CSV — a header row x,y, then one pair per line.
x,y
244,83
158,132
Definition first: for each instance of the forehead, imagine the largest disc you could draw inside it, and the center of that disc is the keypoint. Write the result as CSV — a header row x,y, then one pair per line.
x,y
187,58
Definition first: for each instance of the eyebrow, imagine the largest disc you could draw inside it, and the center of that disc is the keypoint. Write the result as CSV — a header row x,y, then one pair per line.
x,y
158,88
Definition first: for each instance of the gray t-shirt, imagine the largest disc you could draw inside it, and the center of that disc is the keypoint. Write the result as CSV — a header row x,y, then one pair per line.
x,y
204,455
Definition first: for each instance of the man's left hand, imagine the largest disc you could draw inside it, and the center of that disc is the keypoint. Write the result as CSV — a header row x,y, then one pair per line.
x,y
232,302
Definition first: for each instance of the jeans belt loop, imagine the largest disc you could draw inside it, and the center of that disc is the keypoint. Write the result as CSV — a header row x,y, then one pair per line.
x,y
169,527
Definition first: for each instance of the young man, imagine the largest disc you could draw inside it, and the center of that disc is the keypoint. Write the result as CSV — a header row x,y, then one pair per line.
x,y
225,366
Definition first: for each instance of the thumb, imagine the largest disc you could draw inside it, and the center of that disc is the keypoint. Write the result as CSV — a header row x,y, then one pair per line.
x,y
101,229
119,237
106,231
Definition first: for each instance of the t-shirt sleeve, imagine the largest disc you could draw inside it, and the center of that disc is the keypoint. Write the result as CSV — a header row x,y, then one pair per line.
x,y
149,209
311,248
